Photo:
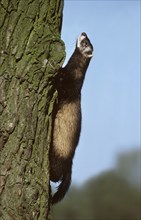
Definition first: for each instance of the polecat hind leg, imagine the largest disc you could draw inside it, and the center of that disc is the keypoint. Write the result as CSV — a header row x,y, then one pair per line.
x,y
63,187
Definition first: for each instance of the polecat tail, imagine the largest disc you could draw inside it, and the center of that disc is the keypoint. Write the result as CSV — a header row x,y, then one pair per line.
x,y
63,188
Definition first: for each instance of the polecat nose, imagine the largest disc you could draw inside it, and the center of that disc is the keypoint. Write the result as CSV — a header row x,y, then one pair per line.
x,y
84,34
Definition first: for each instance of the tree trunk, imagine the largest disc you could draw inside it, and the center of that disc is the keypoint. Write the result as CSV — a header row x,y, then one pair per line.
x,y
30,54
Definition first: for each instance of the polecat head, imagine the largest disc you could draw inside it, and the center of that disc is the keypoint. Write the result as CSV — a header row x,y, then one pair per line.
x,y
84,45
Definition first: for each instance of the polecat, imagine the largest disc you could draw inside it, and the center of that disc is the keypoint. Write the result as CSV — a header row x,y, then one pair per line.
x,y
67,118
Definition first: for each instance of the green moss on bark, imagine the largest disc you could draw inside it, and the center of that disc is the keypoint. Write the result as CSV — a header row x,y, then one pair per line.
x,y
31,53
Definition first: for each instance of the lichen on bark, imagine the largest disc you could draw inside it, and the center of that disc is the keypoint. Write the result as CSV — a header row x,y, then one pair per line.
x,y
31,52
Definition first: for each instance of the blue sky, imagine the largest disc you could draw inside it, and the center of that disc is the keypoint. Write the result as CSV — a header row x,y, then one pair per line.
x,y
111,92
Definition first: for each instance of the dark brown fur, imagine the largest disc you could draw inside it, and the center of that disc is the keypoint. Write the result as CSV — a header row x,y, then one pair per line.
x,y
67,120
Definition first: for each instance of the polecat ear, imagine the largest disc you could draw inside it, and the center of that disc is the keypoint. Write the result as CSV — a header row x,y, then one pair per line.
x,y
84,45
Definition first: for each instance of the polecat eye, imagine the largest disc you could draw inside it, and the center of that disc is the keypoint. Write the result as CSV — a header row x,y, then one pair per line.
x,y
84,43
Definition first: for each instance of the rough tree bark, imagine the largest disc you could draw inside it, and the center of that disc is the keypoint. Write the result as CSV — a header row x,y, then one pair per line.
x,y
31,52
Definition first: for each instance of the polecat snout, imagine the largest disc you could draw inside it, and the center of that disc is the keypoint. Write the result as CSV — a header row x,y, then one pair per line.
x,y
67,115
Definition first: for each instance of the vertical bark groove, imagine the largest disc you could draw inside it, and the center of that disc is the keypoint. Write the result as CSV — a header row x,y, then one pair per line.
x,y
31,52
